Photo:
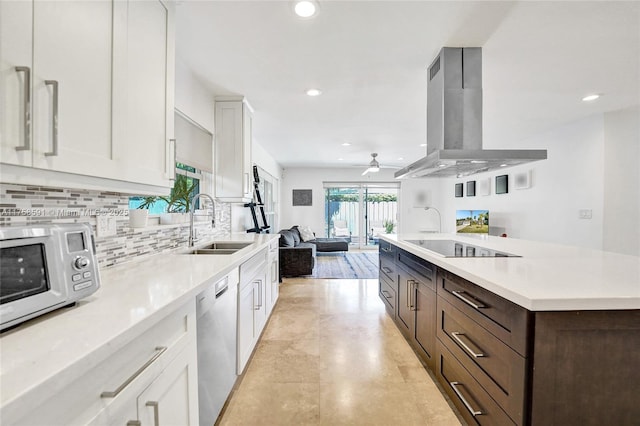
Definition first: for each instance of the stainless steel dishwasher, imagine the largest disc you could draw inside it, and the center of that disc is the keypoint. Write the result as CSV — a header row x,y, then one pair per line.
x,y
216,312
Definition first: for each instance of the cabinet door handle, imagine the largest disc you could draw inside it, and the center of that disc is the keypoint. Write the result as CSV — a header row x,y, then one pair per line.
x,y
246,182
387,270
454,386
112,394
26,108
459,295
414,296
134,423
54,118
156,412
456,336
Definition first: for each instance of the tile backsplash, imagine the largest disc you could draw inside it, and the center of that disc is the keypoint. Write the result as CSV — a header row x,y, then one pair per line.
x,y
26,204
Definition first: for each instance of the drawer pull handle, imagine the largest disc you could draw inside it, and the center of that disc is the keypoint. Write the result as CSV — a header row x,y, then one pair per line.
x,y
387,270
134,423
386,250
386,294
464,401
156,414
455,335
112,394
459,295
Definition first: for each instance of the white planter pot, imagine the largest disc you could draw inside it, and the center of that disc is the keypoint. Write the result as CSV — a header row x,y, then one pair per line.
x,y
173,218
138,218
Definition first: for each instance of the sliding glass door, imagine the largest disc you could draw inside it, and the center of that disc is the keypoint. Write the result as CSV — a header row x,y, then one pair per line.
x,y
360,212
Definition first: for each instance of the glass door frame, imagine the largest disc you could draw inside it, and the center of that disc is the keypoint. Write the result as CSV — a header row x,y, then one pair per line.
x,y
362,189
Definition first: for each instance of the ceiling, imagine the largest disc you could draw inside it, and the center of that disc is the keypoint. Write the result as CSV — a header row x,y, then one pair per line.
x,y
370,60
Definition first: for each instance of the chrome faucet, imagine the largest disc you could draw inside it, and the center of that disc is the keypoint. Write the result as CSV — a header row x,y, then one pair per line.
x,y
213,214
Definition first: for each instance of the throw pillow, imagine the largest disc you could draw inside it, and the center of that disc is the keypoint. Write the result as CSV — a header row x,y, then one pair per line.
x,y
286,238
306,234
295,234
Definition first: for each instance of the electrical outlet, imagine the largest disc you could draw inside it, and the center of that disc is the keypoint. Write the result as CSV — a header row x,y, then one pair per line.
x,y
585,213
105,226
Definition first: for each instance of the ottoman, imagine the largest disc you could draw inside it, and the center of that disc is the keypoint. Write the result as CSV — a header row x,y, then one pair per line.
x,y
325,245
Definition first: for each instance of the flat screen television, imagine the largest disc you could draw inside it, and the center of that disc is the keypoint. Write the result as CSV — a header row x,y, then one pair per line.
x,y
472,221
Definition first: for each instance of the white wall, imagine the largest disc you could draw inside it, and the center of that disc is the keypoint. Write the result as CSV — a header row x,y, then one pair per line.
x,y
313,178
569,180
622,181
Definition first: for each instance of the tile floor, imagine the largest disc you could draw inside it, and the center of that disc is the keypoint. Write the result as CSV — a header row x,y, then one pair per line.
x,y
331,356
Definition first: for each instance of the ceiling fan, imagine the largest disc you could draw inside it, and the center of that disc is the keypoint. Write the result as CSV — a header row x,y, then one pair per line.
x,y
374,166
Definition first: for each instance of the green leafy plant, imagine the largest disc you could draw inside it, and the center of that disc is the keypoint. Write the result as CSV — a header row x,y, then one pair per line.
x,y
148,202
179,200
388,226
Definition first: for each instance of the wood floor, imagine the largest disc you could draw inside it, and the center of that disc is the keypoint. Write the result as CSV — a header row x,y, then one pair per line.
x,y
331,356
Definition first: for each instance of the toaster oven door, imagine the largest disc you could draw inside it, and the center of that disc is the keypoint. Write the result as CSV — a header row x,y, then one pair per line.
x,y
29,278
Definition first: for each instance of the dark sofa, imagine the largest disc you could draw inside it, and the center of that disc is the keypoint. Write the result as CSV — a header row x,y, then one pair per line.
x,y
296,256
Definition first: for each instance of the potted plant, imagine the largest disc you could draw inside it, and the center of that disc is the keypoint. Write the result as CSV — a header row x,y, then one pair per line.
x,y
178,201
138,217
388,226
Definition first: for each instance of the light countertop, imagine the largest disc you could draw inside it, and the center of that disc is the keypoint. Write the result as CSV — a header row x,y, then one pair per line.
x,y
58,347
548,277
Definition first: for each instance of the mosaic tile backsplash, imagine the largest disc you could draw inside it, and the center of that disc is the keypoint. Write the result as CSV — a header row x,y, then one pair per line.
x,y
24,204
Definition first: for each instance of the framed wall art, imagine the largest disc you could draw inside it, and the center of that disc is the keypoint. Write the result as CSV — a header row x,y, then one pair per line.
x,y
471,188
459,190
484,186
502,184
522,180
302,197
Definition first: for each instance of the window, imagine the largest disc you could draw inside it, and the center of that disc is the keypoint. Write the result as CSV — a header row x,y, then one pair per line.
x,y
186,177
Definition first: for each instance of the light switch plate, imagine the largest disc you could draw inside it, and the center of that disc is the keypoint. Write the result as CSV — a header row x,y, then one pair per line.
x,y
585,213
105,226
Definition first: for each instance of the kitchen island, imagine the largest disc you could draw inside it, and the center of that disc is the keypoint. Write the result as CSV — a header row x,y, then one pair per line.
x,y
68,366
551,337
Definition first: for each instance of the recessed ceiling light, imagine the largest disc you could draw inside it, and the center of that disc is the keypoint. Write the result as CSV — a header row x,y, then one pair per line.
x,y
503,165
346,144
423,144
305,9
314,92
400,158
589,98
340,159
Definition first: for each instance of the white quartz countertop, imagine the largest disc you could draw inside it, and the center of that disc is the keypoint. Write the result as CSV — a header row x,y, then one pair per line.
x,y
548,277
56,348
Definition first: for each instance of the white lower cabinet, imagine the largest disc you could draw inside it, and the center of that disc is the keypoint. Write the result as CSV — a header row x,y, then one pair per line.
x,y
252,314
273,277
153,373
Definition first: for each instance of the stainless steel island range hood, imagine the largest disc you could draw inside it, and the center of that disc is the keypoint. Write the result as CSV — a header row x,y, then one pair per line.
x,y
454,122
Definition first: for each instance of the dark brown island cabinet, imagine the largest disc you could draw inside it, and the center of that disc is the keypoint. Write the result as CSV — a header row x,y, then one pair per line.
x,y
502,364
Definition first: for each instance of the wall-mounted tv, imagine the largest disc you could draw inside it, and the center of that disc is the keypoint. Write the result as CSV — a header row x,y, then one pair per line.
x,y
472,221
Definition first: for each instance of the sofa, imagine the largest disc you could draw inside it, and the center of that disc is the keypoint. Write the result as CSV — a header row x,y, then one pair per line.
x,y
298,257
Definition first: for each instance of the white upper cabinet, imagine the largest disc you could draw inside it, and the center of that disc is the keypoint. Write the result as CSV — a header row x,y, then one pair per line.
x,y
16,40
87,88
144,76
233,166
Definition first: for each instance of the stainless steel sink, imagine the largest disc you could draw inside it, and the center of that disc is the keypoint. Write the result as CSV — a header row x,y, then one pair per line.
x,y
226,245
221,247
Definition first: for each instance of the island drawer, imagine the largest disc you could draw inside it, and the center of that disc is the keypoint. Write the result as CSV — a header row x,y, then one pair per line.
x,y
474,403
389,269
495,366
502,318
419,267
388,295
387,249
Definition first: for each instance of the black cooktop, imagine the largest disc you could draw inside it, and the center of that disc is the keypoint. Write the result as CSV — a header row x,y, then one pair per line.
x,y
451,248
